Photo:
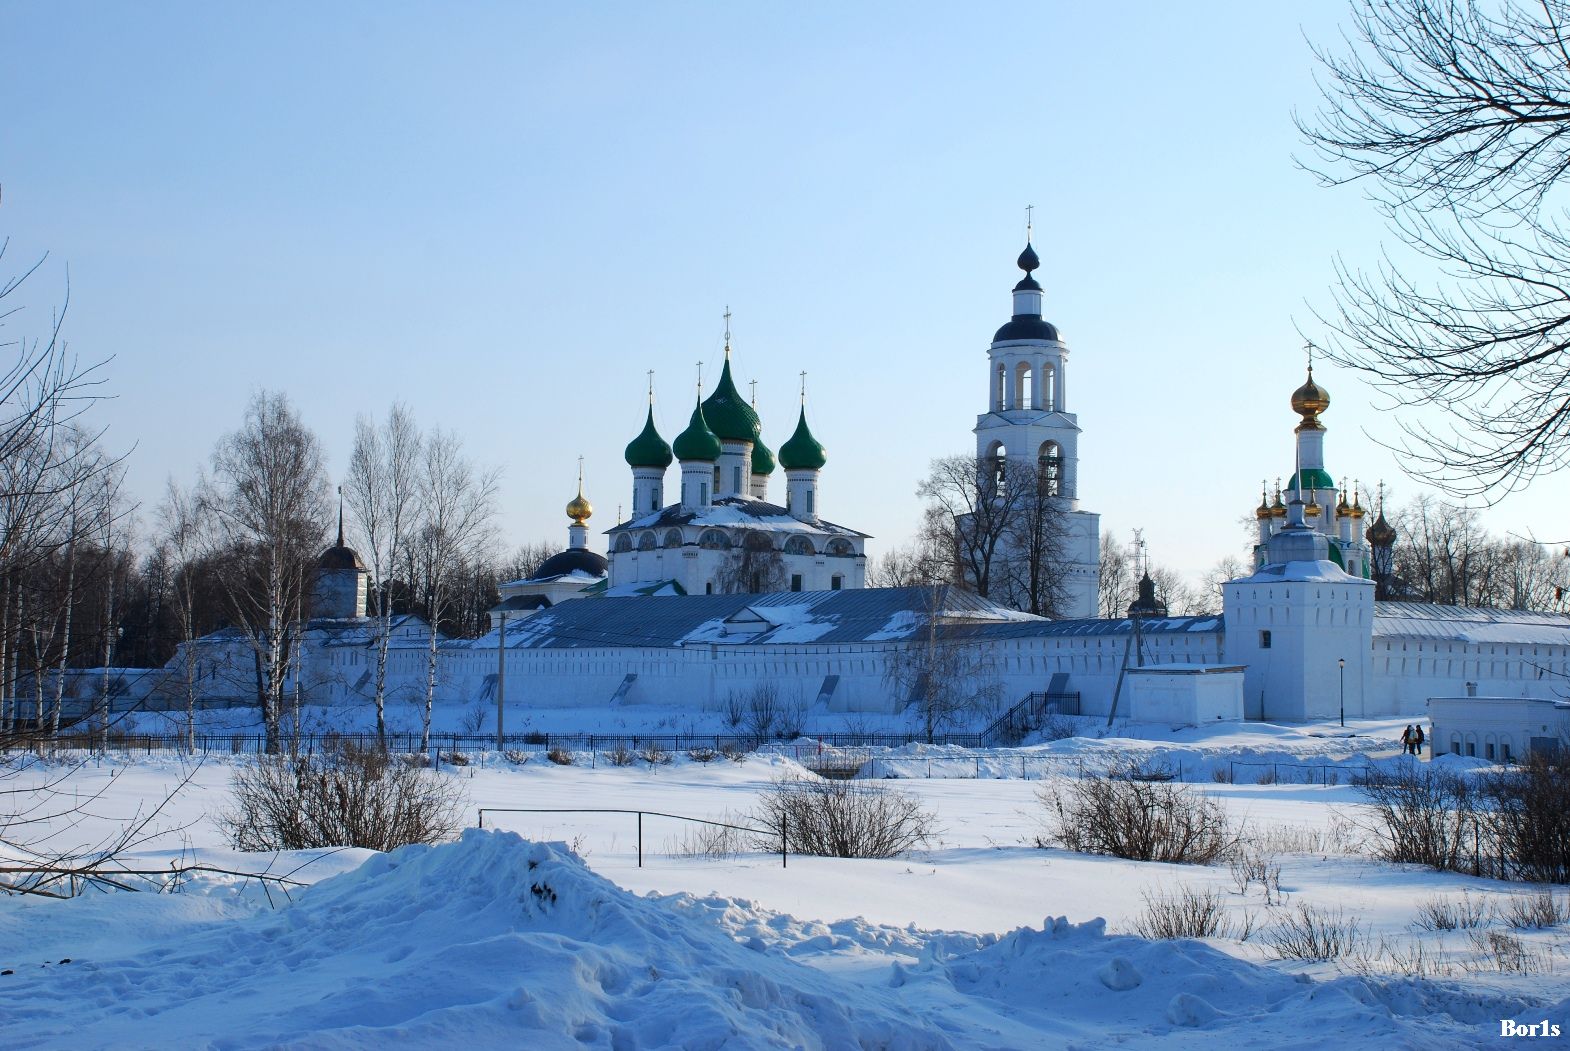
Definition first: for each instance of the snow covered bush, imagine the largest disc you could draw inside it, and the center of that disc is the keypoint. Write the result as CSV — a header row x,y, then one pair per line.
x,y
1138,820
348,795
846,819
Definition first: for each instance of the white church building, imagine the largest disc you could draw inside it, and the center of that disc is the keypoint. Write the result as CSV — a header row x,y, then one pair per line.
x,y
712,590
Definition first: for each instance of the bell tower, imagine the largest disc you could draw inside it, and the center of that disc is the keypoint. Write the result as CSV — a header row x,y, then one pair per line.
x,y
1028,428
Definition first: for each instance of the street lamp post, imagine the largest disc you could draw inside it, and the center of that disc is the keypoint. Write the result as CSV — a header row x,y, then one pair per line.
x,y
1342,665
501,677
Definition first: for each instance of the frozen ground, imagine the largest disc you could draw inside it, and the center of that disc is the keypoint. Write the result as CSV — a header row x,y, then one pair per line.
x,y
508,940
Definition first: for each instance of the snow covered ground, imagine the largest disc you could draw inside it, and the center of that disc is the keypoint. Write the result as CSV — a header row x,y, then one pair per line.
x,y
548,934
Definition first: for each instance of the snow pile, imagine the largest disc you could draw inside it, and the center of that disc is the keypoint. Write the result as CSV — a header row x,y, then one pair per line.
x,y
491,940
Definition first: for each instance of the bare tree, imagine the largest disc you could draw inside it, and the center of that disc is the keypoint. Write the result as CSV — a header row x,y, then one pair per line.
x,y
269,505
753,567
459,508
1116,581
184,535
1455,115
383,491
941,672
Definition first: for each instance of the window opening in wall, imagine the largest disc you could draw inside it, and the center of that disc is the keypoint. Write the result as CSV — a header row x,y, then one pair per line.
x,y
703,492
736,474
835,582
1471,749
809,501
795,581
708,589
1264,640
1488,750
1504,751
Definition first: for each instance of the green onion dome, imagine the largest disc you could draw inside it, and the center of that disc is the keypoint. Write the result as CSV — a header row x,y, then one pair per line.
x,y
697,442
648,449
802,451
728,414
762,459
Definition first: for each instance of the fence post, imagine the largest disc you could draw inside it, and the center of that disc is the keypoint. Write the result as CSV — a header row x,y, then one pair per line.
x,y
640,839
784,825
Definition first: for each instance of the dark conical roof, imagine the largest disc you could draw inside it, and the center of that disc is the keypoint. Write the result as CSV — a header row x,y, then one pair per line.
x,y
728,413
698,442
648,449
802,451
1028,260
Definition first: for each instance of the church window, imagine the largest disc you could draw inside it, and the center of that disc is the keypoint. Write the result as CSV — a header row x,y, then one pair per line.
x,y
647,541
809,501
799,545
673,538
703,492
795,581
1264,640
708,589
1049,468
736,476
1024,388
997,399
714,540
840,547
836,582
623,543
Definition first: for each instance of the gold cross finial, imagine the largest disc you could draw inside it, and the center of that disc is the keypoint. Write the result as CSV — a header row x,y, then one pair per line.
x,y
580,475
700,379
1309,349
1029,216
754,385
804,387
651,386
727,330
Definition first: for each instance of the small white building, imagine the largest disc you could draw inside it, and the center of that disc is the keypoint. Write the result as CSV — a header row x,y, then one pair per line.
x,y
1499,729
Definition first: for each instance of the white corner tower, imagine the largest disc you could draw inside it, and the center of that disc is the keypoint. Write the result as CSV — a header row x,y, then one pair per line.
x,y
1027,427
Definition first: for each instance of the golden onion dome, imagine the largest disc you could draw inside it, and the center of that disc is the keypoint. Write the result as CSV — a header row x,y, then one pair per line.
x,y
1262,512
1356,510
1309,400
1278,509
1312,510
1343,509
579,509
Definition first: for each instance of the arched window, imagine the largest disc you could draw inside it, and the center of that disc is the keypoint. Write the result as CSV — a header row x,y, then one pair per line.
x,y
648,541
623,543
997,466
673,538
714,540
997,393
799,545
1049,468
1023,387
840,547
1049,386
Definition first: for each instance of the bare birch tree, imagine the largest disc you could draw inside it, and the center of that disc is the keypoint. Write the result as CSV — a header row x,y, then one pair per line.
x,y
269,505
459,508
384,494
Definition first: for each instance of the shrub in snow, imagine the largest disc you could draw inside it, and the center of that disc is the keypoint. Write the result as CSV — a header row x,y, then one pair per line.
x,y
1449,914
1189,913
1505,954
1427,816
1529,818
1308,933
702,755
1138,820
845,819
621,755
345,796
654,755
559,756
1539,910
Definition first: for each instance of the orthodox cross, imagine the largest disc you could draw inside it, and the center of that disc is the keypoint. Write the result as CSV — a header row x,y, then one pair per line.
x,y
1029,215
804,387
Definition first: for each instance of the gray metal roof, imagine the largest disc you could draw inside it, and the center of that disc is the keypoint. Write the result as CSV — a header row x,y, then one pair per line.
x,y
1427,620
824,618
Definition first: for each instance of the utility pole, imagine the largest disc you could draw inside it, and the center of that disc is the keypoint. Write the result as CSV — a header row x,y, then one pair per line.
x,y
1342,665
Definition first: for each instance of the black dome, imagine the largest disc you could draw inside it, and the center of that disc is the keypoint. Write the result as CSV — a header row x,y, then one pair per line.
x,y
574,559
340,557
1028,260
1026,326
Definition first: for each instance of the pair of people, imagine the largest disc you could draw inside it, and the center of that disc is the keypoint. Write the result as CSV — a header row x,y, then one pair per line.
x,y
1412,739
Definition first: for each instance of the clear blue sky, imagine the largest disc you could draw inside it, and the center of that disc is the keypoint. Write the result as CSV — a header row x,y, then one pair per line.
x,y
504,214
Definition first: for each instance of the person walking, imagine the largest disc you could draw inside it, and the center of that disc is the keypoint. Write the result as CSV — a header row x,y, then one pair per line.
x,y
1417,739
1406,740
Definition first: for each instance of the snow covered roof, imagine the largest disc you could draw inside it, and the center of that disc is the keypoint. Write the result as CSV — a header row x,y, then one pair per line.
x,y
735,511
1320,571
800,617
1426,620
